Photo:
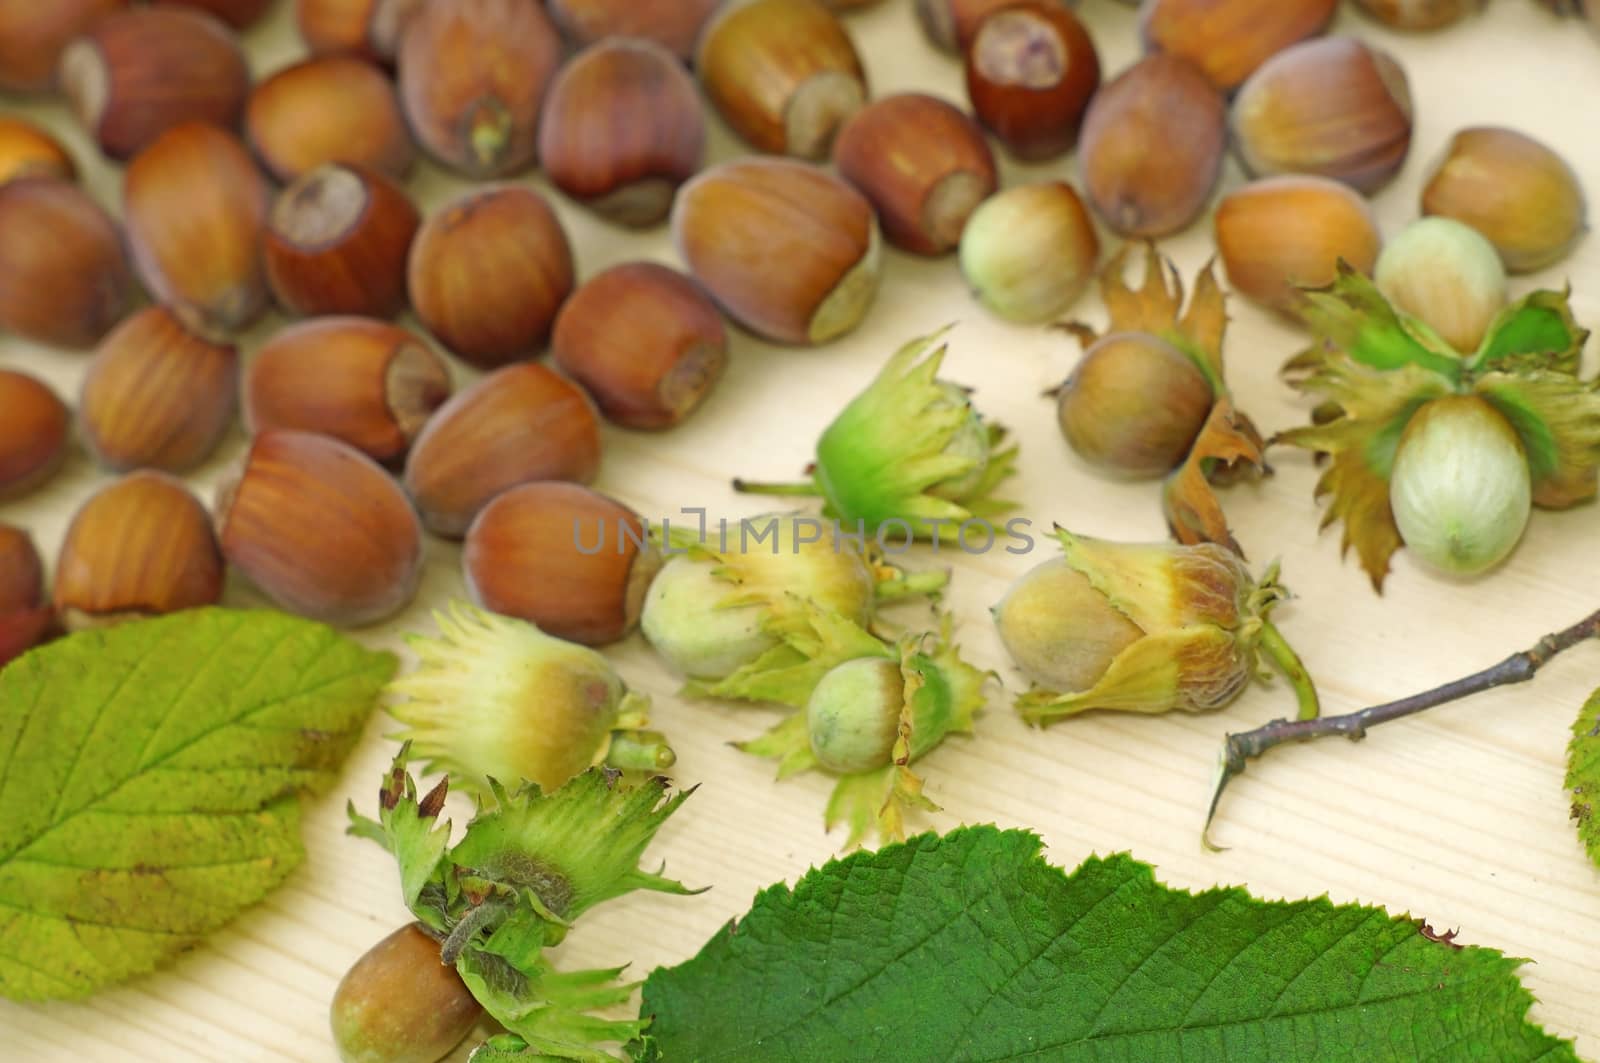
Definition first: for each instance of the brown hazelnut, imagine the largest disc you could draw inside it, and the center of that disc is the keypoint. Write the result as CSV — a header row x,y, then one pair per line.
x,y
33,34
951,24
1152,146
368,28
366,382
33,433
570,560
787,249
1420,14
64,279
783,73
236,13
488,273
139,547
675,24
922,164
157,395
338,108
1336,107
320,529
1031,69
196,211
1280,234
622,129
644,342
135,74
337,241
1229,39
515,425
28,151
1517,192
1134,405
473,75
25,619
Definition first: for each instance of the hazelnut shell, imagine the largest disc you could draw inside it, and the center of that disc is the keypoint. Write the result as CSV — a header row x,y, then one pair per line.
x,y
488,272
320,529
21,571
951,24
1230,39
33,34
29,151
367,28
1031,69
787,249
515,425
676,24
64,277
157,395
236,13
644,341
33,433
338,108
196,208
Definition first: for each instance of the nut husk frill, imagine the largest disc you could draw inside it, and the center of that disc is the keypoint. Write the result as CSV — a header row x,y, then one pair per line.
x,y
372,384
1279,235
1029,251
563,557
157,395
64,277
622,128
141,546
321,529
1165,108
1335,107
473,75
922,163
1031,69
488,272
1134,405
367,28
337,241
1514,190
644,341
1460,489
196,211
515,425
401,1003
33,433
137,73
26,150
783,73
337,108
1230,39
673,23
1447,275
787,249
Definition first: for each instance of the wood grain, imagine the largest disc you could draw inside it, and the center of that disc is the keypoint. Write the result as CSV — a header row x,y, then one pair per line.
x,y
1458,816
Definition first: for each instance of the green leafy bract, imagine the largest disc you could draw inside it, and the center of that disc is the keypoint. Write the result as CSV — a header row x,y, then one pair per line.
x,y
1353,316
1583,775
970,947
150,775
1536,332
526,867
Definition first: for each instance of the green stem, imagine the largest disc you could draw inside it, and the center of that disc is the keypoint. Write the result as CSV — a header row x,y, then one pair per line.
x,y
640,751
915,585
796,490
1278,650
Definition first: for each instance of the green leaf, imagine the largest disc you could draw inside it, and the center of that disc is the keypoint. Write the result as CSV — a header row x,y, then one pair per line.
x,y
1537,332
149,774
970,947
1557,417
1583,775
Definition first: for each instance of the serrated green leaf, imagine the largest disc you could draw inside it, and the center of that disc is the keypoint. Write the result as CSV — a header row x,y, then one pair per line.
x,y
1583,775
1537,332
970,947
1353,316
149,775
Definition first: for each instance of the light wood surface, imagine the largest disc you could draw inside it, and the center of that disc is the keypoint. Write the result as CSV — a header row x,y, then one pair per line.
x,y
1458,816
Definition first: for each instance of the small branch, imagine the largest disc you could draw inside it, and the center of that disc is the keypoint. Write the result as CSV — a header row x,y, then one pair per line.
x,y
1280,653
1240,749
797,490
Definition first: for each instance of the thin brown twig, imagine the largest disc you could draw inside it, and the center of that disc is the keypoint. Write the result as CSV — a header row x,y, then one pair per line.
x,y
1240,749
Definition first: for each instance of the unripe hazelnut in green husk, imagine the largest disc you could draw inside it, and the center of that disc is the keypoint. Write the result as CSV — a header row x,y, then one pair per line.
x,y
1461,489
853,716
1448,276
1134,405
400,1003
1061,632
